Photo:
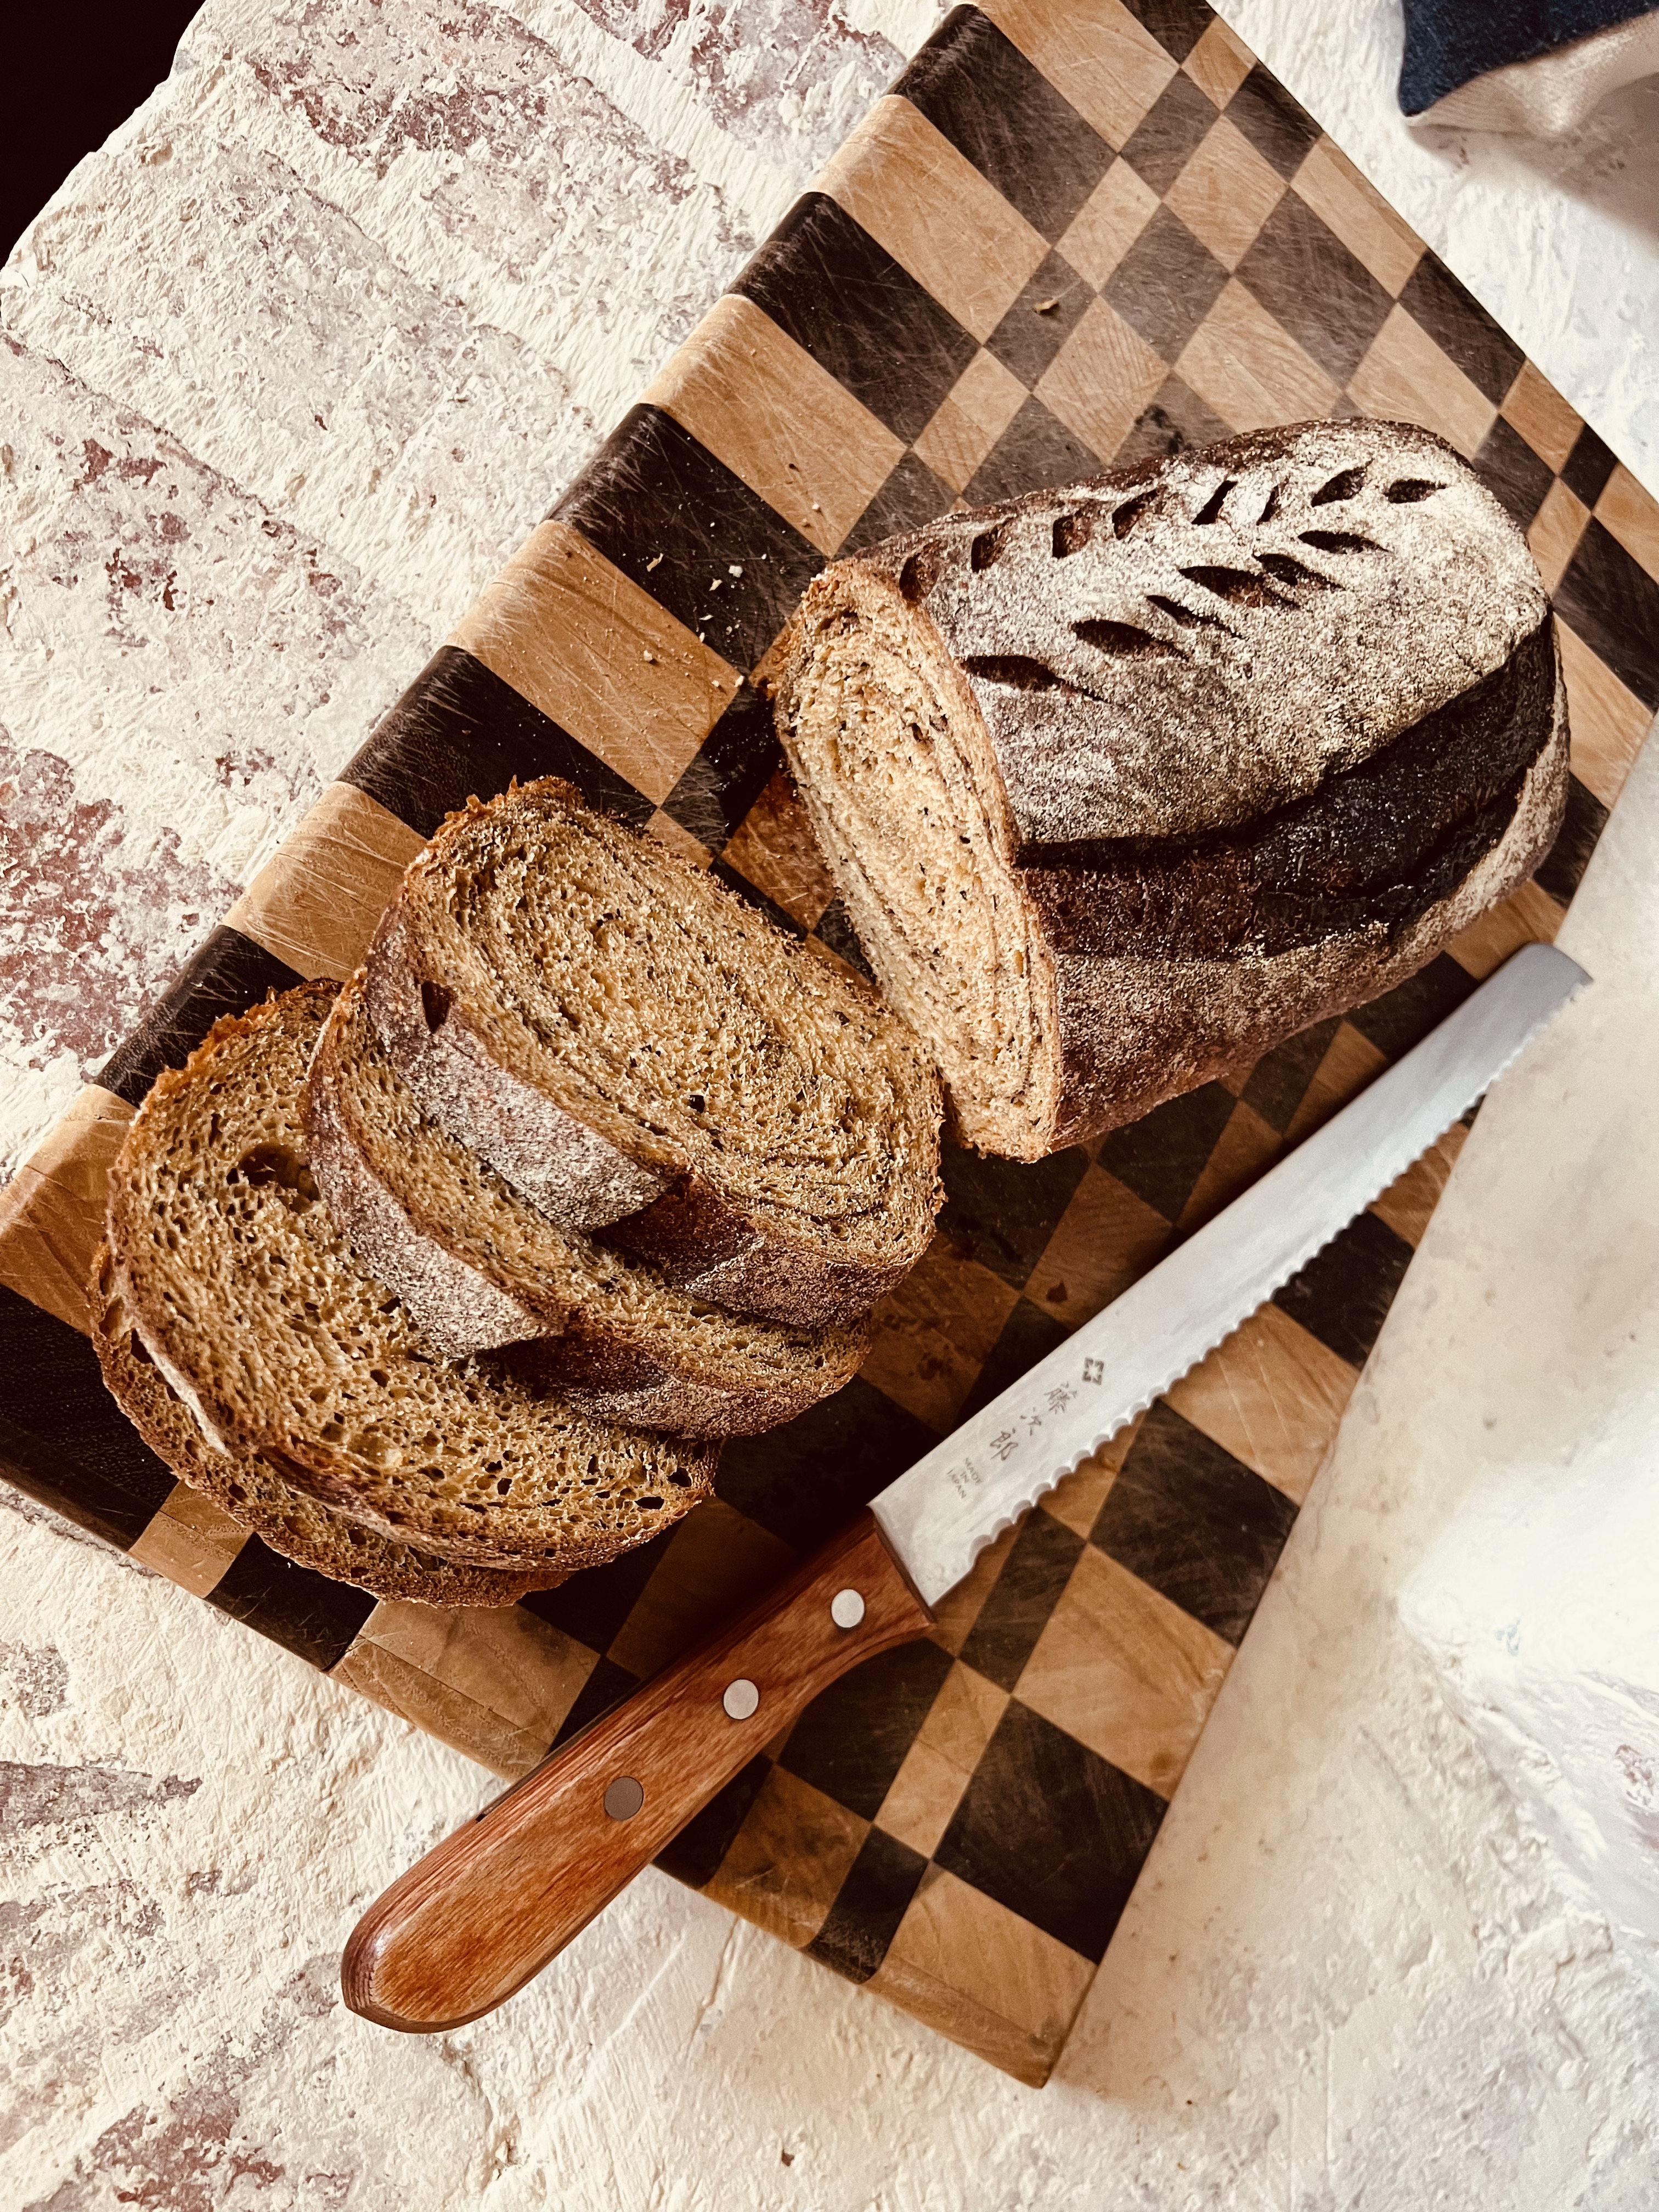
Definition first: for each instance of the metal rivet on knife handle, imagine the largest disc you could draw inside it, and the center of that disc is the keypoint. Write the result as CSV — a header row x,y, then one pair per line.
x,y
624,1798
490,1906
742,1699
847,1608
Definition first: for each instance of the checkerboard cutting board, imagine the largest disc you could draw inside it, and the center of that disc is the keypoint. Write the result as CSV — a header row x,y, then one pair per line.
x,y
1072,235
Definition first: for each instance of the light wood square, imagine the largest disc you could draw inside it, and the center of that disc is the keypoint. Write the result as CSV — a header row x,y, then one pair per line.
x,y
1534,407
924,1793
1351,1062
52,1212
1272,1395
1632,514
1108,64
794,434
936,215
969,1966
582,641
1104,1240
1125,1672
1352,206
1241,1151
1100,378
717,1561
476,1731
190,1540
1409,1201
774,849
1226,192
502,1657
787,1862
973,415
963,1718
1108,222
1248,368
935,1332
1527,916
1553,535
1609,721
494,1682
1405,377
319,899
1219,62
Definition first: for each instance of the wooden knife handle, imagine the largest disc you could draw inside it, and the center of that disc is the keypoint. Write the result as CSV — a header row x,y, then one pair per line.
x,y
486,1910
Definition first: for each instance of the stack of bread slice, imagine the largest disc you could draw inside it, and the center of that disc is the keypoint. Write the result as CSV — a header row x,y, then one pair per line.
x,y
448,1280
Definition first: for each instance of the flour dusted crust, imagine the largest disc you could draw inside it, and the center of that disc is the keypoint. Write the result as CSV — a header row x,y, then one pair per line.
x,y
252,1490
1123,783
282,1346
478,1266
652,1063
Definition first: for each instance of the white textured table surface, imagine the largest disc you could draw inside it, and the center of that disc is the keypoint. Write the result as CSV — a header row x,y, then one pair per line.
x,y
288,368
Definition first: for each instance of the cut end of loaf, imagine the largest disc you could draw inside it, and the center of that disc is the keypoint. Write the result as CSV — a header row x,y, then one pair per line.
x,y
895,766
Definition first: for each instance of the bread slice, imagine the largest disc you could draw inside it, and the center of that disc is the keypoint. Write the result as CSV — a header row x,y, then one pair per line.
x,y
477,1266
649,1061
1124,783
252,1490
280,1343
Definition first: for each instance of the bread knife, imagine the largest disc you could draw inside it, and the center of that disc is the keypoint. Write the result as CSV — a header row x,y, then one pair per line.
x,y
475,1919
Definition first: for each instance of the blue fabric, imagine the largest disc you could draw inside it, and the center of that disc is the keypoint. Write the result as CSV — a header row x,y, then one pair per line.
x,y
1448,42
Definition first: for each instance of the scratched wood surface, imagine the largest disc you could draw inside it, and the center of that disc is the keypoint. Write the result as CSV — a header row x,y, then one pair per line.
x,y
1069,234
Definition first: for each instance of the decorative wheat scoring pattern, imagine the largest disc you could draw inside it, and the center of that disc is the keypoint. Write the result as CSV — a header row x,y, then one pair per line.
x,y
1273,583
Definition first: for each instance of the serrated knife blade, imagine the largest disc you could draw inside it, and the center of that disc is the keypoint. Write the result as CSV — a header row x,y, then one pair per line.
x,y
494,1902
942,1512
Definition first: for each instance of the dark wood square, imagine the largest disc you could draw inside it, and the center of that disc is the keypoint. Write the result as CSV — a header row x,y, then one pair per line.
x,y
1166,283
1051,1829
1194,1522
977,88
1314,288
844,300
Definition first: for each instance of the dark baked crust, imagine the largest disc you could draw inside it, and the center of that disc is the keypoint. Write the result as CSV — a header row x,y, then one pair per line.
x,y
479,1268
1138,1031
1199,655
1231,741
1384,842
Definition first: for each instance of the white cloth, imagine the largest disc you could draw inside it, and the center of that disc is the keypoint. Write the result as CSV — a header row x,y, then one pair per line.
x,y
1552,94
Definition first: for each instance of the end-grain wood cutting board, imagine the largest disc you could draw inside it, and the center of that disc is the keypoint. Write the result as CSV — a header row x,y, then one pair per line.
x,y
1071,235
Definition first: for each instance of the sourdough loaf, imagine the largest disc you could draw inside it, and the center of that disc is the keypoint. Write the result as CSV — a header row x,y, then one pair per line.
x,y
1123,783
477,1266
252,1490
652,1063
281,1344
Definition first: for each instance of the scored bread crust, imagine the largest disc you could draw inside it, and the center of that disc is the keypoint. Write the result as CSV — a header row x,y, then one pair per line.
x,y
1193,1020
1125,783
651,1061
479,1267
250,1490
280,1343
